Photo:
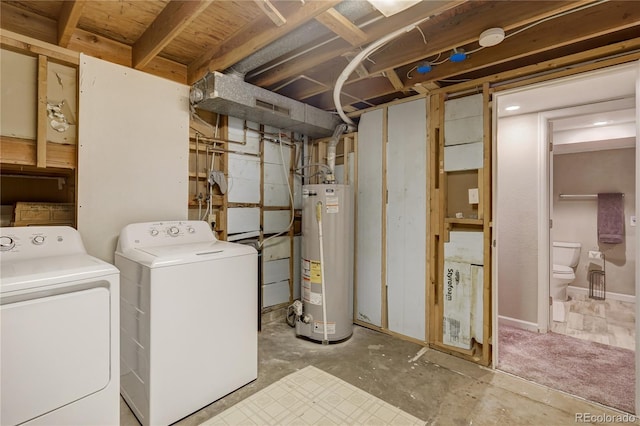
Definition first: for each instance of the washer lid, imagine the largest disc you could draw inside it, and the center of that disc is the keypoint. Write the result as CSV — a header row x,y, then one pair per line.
x,y
562,270
46,271
161,256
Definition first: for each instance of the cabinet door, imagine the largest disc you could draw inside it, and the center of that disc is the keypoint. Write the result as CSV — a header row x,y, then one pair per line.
x,y
406,218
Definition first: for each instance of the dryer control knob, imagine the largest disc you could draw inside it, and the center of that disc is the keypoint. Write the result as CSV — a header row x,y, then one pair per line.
x,y
191,230
153,232
173,231
38,240
6,243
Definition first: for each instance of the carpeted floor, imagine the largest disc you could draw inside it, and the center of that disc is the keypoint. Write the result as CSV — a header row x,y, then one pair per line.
x,y
312,397
596,372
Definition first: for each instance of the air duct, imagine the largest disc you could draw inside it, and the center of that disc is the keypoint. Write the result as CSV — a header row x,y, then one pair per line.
x,y
230,95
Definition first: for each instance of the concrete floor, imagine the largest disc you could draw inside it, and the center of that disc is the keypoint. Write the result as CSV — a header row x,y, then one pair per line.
x,y
437,388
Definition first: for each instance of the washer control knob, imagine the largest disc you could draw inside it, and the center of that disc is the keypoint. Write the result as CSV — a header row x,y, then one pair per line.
x,y
38,240
6,243
191,230
153,232
173,231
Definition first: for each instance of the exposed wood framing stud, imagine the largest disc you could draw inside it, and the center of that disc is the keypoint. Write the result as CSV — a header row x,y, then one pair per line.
x,y
271,11
41,134
395,80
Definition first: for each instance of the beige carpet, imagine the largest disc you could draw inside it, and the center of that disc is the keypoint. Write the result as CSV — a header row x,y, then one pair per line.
x,y
312,397
596,372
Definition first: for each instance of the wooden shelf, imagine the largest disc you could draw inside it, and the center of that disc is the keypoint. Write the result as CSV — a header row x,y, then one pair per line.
x,y
464,221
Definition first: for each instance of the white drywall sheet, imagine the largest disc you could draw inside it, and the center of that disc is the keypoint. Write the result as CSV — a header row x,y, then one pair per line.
x,y
275,270
277,248
276,221
463,120
407,218
133,152
18,94
243,220
244,179
369,228
275,293
238,134
463,157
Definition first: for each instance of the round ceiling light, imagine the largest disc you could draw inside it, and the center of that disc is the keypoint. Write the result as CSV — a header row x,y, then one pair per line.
x,y
491,37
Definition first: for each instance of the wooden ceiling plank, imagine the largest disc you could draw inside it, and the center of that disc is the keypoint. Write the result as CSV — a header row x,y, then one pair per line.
x,y
28,23
343,27
338,47
252,38
68,20
271,11
176,16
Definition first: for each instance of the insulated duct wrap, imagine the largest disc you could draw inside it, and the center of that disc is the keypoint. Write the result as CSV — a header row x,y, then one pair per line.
x,y
230,95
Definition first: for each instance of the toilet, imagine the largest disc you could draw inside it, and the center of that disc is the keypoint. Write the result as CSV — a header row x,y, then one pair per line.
x,y
565,257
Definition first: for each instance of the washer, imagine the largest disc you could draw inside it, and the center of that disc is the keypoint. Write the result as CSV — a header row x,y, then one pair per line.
x,y
60,321
188,318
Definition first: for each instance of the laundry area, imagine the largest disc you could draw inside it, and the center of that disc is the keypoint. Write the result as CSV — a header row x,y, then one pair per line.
x,y
328,212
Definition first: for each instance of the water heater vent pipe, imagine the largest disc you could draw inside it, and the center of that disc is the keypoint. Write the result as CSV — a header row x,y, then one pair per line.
x,y
331,151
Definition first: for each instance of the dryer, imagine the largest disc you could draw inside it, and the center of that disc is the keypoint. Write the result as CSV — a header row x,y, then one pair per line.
x,y
59,321
189,318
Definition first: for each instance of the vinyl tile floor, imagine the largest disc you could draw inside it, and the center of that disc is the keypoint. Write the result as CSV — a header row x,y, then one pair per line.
x,y
611,322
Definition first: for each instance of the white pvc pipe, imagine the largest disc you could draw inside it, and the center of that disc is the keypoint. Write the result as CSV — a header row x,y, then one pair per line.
x,y
351,66
325,340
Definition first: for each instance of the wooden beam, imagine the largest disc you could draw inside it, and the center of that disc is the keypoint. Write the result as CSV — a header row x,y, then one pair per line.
x,y
42,126
176,16
68,20
272,12
340,25
18,42
253,37
393,77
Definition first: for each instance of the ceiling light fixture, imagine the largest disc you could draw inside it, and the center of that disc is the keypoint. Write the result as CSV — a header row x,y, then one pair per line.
x,y
491,37
457,55
391,7
512,108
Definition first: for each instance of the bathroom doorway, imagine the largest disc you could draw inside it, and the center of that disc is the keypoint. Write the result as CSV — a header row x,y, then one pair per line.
x,y
592,282
523,210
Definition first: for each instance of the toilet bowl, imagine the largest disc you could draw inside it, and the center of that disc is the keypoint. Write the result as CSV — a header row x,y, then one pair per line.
x,y
565,257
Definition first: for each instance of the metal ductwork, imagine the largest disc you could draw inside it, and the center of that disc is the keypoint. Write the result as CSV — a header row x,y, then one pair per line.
x,y
231,95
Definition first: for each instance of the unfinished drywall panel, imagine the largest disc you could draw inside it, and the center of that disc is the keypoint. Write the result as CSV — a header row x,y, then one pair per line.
x,y
276,176
465,246
132,160
407,218
463,120
463,157
339,170
18,94
276,248
62,106
275,293
243,131
369,223
243,220
275,221
243,181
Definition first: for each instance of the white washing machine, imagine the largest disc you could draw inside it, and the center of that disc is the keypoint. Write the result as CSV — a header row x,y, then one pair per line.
x,y
188,318
59,315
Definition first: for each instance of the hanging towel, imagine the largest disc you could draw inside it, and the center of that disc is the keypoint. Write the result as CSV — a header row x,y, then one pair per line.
x,y
610,218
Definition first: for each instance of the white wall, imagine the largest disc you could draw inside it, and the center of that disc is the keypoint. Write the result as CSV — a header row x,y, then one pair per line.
x,y
133,152
576,220
517,225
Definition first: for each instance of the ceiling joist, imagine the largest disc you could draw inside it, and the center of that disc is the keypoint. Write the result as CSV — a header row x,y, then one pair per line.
x,y
176,16
271,11
339,24
254,37
68,20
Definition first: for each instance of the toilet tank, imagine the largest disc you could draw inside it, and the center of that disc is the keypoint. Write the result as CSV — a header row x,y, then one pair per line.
x,y
566,253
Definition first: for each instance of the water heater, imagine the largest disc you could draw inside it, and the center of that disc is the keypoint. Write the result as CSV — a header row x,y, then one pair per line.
x,y
327,263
